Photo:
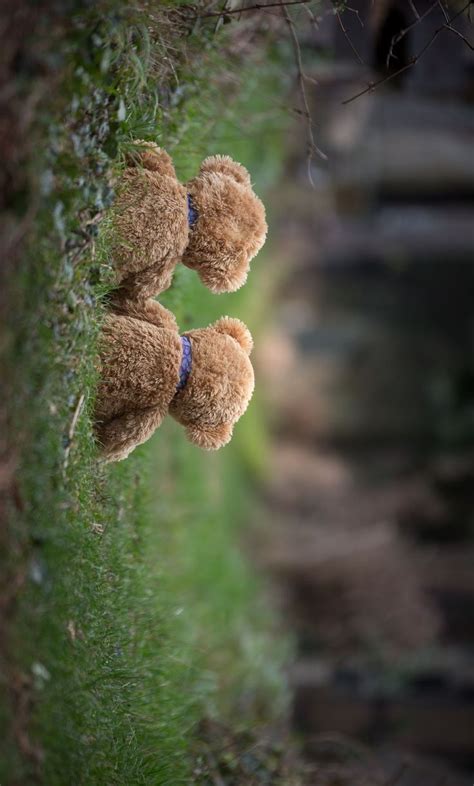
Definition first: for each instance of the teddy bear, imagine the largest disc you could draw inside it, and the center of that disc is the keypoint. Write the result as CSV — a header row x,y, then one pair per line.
x,y
204,378
215,224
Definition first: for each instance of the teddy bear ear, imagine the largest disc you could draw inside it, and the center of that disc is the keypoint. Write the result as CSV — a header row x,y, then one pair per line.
x,y
225,165
211,438
237,330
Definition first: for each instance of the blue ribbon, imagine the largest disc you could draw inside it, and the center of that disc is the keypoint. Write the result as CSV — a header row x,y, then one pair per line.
x,y
192,212
186,362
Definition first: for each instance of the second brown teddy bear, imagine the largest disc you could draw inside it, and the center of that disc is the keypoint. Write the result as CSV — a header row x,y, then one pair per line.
x,y
204,379
214,224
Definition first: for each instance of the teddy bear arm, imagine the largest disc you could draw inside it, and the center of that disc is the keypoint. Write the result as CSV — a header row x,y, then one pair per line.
x,y
147,310
152,157
150,231
225,277
211,438
124,433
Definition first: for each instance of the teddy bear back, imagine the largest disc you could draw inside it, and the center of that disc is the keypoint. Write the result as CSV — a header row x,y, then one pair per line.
x,y
140,365
220,384
230,227
150,222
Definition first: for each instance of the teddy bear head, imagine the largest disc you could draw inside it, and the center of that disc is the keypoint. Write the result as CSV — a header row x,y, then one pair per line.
x,y
227,222
220,383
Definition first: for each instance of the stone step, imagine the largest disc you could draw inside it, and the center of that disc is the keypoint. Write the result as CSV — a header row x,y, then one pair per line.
x,y
402,235
431,712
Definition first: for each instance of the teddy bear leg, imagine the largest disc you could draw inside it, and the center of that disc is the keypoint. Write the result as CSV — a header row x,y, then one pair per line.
x,y
148,282
147,310
122,434
152,157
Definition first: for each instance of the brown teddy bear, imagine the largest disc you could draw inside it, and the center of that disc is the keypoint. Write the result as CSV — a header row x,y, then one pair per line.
x,y
214,224
204,378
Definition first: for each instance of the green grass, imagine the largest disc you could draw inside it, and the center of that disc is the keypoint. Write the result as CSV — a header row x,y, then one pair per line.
x,y
139,615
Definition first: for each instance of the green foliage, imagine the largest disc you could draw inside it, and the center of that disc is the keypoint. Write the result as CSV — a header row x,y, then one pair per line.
x,y
140,614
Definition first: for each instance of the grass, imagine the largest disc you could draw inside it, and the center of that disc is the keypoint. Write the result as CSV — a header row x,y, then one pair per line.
x,y
139,615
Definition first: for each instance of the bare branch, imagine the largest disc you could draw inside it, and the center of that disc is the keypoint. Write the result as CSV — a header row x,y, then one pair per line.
x,y
312,147
413,60
414,9
312,18
356,12
72,429
348,39
341,5
401,35
460,35
443,11
373,85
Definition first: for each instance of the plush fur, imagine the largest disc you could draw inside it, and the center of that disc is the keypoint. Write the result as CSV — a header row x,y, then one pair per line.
x,y
140,358
152,233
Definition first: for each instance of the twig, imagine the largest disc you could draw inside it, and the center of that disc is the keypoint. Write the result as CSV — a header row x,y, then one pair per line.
x,y
219,19
443,11
312,17
414,9
373,85
341,5
356,12
256,7
312,147
348,39
460,35
402,33
72,428
413,60
75,417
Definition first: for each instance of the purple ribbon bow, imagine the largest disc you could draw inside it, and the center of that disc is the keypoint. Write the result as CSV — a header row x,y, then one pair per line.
x,y
186,362
192,212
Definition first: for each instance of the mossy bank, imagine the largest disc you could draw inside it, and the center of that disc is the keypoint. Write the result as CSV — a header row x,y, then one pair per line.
x,y
132,615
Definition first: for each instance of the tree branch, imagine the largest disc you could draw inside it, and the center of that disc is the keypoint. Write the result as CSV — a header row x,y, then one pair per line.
x,y
347,37
414,9
401,35
312,147
460,35
413,60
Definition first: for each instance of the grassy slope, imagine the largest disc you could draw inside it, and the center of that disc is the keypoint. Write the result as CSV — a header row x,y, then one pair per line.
x,y
138,615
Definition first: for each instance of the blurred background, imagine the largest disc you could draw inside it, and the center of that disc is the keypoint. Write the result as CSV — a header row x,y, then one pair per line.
x,y
368,364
